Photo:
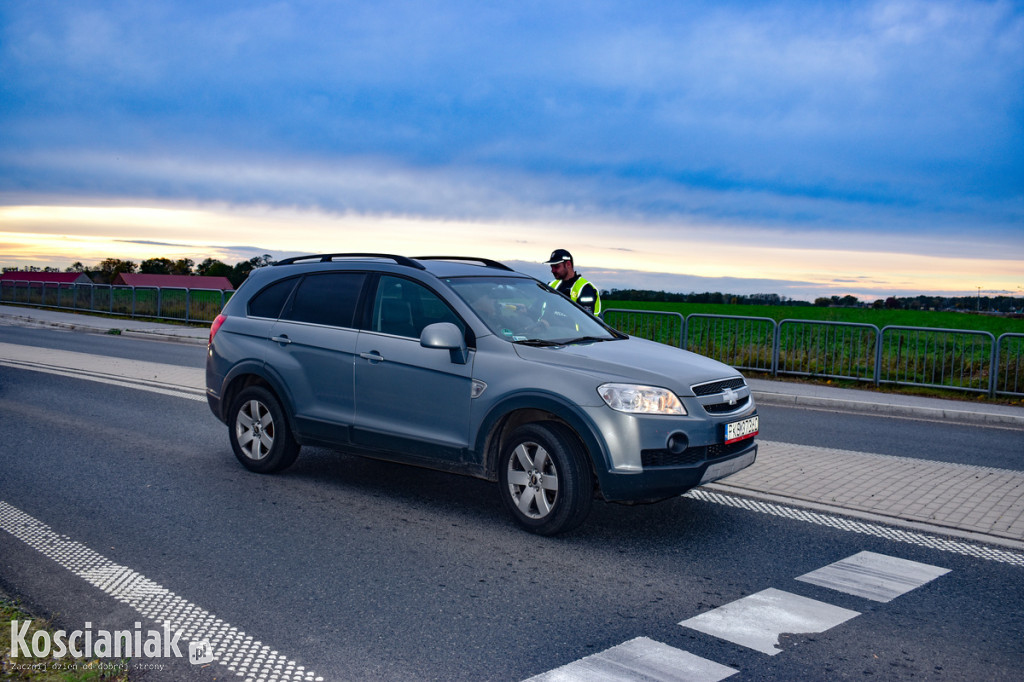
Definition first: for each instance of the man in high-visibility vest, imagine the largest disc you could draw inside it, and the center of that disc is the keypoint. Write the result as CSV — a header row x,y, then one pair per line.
x,y
572,284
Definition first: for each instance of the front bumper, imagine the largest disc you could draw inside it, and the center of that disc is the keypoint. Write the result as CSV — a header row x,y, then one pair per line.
x,y
638,465
658,483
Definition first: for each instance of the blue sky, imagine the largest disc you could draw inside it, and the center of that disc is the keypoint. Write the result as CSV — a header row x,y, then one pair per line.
x,y
801,148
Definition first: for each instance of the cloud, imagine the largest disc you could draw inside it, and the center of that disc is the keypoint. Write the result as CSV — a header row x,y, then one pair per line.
x,y
892,126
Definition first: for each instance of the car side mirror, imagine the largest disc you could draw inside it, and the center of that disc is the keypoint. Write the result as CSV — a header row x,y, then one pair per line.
x,y
446,336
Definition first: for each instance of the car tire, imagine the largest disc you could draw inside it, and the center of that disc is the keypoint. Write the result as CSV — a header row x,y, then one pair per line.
x,y
259,432
544,478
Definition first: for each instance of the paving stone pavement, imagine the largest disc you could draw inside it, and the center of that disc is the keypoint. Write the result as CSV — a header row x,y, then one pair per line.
x,y
979,503
976,500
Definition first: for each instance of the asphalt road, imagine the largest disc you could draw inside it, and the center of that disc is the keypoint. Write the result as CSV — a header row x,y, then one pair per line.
x,y
362,570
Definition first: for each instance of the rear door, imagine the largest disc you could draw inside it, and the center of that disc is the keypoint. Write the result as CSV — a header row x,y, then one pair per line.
x,y
312,350
410,399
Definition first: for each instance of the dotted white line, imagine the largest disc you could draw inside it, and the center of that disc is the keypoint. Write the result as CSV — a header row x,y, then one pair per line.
x,y
239,652
840,523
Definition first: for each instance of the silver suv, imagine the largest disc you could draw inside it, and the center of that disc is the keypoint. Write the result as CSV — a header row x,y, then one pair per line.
x,y
464,365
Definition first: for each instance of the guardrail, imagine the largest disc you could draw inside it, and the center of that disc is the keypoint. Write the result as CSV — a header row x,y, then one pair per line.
x,y
164,303
954,359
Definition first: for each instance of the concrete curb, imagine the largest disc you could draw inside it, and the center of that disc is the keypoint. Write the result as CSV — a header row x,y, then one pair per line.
x,y
104,329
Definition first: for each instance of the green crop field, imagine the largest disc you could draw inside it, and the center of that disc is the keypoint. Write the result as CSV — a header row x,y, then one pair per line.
x,y
994,324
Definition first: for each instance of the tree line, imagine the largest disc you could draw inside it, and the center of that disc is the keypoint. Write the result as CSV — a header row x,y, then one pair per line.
x,y
1000,304
107,270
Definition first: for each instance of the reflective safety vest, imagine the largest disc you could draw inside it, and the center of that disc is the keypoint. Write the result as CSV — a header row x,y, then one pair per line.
x,y
577,287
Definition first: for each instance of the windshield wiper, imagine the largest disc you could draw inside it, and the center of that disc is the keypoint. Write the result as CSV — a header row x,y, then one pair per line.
x,y
540,343
588,339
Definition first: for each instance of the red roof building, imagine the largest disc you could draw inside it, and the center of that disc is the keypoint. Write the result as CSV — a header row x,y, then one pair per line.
x,y
46,277
174,281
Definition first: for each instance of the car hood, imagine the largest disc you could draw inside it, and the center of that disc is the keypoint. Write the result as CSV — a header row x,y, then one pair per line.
x,y
632,360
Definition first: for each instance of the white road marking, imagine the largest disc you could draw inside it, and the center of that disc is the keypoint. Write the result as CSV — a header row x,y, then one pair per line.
x,y
125,383
759,620
104,368
873,576
639,660
233,648
853,526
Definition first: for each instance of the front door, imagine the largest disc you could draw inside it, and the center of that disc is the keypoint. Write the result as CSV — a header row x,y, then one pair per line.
x,y
410,399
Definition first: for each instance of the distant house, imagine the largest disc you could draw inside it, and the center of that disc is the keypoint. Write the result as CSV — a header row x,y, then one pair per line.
x,y
174,281
46,277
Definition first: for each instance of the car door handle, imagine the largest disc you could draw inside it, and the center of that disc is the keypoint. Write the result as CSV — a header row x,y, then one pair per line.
x,y
280,339
372,356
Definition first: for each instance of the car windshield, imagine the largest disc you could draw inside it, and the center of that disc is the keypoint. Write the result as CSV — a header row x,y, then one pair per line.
x,y
526,311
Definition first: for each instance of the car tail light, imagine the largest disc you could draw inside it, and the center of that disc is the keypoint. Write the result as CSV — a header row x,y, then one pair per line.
x,y
217,322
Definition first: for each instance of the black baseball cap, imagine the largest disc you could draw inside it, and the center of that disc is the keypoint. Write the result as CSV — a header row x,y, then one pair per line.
x,y
559,256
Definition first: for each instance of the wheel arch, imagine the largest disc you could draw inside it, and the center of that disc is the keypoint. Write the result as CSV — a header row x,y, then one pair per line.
x,y
253,374
515,411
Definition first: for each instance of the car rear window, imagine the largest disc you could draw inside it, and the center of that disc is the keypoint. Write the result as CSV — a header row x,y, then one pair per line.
x,y
328,298
268,303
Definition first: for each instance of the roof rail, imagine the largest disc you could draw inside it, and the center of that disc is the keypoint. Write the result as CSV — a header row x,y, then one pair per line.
x,y
485,261
329,257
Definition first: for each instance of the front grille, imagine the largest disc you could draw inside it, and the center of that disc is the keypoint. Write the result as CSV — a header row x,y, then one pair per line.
x,y
691,456
721,408
718,386
665,458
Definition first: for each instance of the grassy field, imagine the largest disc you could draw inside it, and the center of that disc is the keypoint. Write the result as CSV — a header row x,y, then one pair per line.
x,y
994,324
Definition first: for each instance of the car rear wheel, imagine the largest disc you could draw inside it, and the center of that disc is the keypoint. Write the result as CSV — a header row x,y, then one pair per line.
x,y
544,479
259,432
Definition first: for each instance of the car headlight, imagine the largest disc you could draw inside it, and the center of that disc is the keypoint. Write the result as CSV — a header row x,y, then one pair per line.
x,y
640,399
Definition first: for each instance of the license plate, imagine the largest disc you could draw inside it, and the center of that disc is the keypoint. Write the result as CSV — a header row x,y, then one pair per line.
x,y
746,428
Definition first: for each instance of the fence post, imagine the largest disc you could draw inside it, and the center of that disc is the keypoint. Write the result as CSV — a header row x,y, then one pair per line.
x,y
878,358
776,342
993,372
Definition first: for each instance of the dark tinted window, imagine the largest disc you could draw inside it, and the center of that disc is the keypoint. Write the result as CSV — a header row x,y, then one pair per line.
x,y
404,308
268,302
329,299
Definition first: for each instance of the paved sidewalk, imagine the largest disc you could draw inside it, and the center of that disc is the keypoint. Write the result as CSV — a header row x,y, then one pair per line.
x,y
981,503
978,503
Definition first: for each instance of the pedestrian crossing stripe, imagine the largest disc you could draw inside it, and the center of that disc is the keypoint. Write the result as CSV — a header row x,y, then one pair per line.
x,y
639,659
757,621
874,576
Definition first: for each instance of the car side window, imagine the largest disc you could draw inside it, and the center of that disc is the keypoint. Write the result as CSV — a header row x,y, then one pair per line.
x,y
403,308
329,298
268,303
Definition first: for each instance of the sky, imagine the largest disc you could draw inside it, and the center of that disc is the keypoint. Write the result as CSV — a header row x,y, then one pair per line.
x,y
805,149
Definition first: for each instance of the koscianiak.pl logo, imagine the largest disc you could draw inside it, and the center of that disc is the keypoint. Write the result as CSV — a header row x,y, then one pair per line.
x,y
90,643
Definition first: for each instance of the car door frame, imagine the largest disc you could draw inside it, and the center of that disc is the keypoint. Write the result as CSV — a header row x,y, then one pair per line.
x,y
410,445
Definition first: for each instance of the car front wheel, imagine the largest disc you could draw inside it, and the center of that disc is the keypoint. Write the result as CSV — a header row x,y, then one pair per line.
x,y
544,478
259,432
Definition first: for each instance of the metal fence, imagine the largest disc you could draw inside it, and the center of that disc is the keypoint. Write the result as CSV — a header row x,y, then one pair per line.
x,y
165,303
955,359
